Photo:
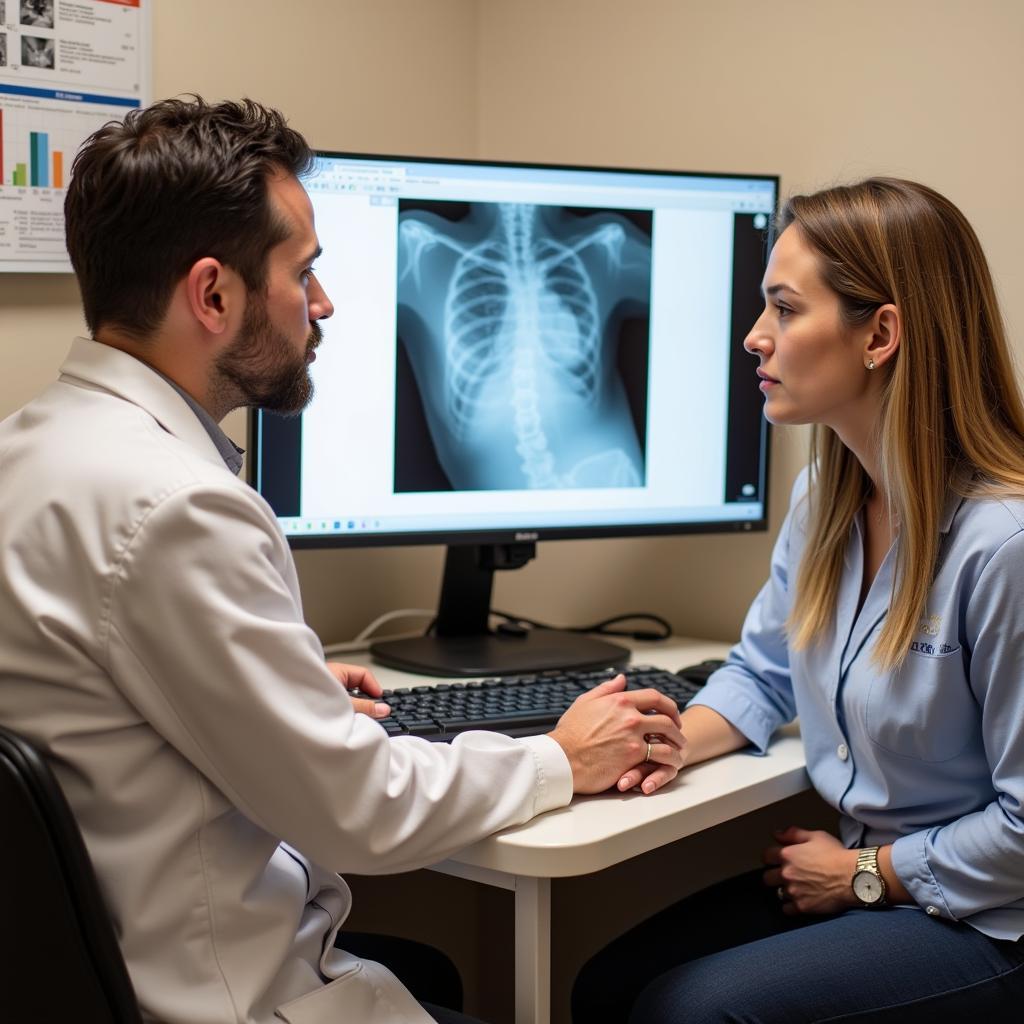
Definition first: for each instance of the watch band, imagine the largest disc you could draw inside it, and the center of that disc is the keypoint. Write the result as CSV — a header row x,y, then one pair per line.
x,y
867,859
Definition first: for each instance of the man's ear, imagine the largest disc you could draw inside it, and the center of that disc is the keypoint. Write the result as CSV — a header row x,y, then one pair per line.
x,y
886,333
216,295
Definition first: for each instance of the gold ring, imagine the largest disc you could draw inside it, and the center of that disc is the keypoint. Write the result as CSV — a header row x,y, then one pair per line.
x,y
647,757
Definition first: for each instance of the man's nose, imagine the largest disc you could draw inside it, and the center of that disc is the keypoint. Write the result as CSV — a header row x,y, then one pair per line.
x,y
320,305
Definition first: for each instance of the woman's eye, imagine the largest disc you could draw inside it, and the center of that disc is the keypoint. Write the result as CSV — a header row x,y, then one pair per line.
x,y
783,311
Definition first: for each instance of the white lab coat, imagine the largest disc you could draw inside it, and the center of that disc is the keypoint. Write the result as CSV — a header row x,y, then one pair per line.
x,y
152,640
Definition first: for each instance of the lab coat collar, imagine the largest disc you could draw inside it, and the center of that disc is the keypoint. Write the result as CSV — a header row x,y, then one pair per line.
x,y
110,369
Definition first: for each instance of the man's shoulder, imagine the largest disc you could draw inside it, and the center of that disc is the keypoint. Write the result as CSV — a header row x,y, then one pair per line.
x,y
94,446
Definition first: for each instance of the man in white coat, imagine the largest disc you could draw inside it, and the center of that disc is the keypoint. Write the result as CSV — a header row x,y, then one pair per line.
x,y
151,635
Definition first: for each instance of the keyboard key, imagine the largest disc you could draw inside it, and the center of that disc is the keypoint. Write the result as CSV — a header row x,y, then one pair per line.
x,y
421,728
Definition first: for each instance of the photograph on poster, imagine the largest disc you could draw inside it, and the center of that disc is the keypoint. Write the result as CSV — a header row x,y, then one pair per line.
x,y
37,13
37,52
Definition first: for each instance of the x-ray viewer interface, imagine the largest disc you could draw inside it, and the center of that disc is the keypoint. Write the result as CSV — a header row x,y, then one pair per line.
x,y
526,348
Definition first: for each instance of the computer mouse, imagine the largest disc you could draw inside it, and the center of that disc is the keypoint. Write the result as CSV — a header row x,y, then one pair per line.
x,y
699,673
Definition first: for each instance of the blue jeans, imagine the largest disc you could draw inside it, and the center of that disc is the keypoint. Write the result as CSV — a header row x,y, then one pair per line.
x,y
729,954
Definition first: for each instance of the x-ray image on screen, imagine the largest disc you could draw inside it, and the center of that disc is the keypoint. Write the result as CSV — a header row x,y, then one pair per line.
x,y
523,341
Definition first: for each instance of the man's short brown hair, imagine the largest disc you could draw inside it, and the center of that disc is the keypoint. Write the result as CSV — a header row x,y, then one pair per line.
x,y
170,184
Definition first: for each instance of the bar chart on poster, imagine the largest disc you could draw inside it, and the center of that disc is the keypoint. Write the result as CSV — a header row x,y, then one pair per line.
x,y
67,67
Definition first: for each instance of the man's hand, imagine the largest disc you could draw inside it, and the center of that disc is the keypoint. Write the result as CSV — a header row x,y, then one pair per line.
x,y
355,677
604,736
707,734
813,870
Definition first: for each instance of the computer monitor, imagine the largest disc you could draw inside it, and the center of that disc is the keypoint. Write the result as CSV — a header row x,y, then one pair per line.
x,y
523,352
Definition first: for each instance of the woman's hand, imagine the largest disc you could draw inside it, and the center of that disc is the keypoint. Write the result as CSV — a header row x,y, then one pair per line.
x,y
355,677
812,871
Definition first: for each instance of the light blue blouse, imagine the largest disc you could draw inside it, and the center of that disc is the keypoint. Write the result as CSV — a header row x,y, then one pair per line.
x,y
929,757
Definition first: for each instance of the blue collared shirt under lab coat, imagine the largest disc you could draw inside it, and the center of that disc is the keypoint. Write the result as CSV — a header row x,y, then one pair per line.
x,y
929,757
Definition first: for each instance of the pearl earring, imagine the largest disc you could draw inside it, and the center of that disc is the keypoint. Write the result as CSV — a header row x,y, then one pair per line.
x,y
871,364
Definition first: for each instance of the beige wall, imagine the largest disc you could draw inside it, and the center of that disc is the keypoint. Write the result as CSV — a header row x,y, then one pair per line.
x,y
816,90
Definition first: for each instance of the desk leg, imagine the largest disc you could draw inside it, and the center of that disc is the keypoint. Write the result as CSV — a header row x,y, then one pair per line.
x,y
533,935
533,950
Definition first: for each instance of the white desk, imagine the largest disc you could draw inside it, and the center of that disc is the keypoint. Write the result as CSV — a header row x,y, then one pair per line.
x,y
598,831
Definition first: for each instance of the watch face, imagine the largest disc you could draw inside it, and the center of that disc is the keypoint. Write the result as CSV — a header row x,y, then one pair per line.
x,y
867,887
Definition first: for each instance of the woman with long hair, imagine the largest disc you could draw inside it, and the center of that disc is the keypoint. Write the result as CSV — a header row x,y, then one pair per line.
x,y
893,625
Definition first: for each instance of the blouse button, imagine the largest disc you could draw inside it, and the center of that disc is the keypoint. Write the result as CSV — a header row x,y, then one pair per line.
x,y
843,751
932,911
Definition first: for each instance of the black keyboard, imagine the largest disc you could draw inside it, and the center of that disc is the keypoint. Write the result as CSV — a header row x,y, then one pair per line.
x,y
523,705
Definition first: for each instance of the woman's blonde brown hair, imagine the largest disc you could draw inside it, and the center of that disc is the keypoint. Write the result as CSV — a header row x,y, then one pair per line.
x,y
952,418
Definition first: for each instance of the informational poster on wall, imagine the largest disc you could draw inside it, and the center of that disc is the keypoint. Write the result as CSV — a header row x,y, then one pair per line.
x,y
67,67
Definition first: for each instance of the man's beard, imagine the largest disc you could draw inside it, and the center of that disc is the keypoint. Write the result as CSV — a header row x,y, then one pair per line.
x,y
261,369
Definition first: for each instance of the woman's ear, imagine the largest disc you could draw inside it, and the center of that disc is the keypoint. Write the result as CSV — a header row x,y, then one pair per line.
x,y
884,340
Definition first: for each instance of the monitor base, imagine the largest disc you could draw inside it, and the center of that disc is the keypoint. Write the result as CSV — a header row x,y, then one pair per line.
x,y
497,654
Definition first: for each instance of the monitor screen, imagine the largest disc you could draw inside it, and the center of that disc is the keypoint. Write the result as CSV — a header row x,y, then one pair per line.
x,y
526,352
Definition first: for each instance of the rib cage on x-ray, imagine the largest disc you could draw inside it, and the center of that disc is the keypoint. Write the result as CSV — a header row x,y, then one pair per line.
x,y
520,330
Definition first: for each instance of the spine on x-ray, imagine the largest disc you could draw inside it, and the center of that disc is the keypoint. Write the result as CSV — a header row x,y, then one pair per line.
x,y
538,465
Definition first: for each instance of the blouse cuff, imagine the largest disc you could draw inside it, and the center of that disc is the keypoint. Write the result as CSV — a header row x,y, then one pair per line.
x,y
910,862
731,699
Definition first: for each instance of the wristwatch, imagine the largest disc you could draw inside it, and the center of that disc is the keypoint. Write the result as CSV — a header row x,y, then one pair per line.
x,y
868,884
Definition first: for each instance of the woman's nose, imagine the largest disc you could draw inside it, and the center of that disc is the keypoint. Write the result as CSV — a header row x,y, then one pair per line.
x,y
757,340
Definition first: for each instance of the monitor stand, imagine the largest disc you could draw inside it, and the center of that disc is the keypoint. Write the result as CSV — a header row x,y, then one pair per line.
x,y
463,644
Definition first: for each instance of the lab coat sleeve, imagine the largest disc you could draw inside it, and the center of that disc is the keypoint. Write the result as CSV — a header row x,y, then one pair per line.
x,y
974,863
205,636
753,689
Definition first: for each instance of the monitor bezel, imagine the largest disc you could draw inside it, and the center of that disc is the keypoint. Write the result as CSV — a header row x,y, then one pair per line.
x,y
528,534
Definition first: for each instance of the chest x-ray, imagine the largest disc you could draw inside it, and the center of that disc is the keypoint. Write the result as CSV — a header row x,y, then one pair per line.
x,y
512,320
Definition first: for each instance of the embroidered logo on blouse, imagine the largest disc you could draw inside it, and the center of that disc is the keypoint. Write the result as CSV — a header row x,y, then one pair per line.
x,y
931,625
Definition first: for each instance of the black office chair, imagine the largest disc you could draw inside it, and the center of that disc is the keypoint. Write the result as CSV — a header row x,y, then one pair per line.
x,y
59,958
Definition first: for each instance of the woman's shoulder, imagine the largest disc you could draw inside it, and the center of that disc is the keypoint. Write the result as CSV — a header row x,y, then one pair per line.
x,y
801,485
981,559
985,519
